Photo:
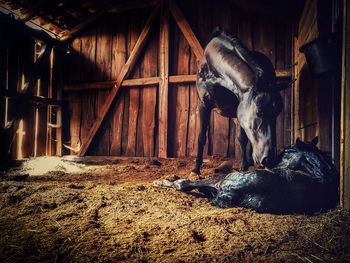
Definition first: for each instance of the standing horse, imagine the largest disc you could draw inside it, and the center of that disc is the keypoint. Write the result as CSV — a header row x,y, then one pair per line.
x,y
238,83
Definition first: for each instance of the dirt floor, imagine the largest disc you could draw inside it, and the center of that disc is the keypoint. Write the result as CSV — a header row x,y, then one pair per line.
x,y
110,211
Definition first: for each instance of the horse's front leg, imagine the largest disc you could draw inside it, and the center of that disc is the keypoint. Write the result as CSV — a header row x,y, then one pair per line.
x,y
246,151
204,117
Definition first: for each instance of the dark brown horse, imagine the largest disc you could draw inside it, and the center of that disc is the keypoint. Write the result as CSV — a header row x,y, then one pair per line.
x,y
238,83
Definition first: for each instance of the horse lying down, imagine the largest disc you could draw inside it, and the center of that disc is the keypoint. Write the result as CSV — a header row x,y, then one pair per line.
x,y
302,180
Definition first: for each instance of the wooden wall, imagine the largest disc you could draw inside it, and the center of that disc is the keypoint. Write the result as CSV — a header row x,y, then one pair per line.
x,y
316,104
132,127
17,55
345,112
305,94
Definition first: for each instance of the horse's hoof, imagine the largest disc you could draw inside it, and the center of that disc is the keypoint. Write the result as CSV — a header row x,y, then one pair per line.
x,y
194,176
244,168
224,167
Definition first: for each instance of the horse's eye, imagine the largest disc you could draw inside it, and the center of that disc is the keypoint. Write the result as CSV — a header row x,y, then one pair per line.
x,y
259,113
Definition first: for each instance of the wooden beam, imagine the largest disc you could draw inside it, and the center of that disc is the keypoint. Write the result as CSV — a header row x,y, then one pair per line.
x,y
89,86
187,31
124,72
130,5
176,79
28,98
345,112
182,79
141,82
130,83
164,74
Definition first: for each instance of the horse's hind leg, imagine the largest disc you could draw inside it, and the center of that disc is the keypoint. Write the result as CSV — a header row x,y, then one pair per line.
x,y
204,116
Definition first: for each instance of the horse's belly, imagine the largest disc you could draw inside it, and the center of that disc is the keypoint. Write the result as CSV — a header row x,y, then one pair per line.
x,y
224,101
228,111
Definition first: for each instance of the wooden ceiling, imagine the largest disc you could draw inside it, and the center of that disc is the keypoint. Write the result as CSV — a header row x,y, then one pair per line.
x,y
62,19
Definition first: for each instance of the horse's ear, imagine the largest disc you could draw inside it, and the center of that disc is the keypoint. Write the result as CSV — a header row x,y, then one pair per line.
x,y
299,142
314,141
283,85
216,32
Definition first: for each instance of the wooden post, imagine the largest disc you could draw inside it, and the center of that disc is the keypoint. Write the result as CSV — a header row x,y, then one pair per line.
x,y
164,74
33,75
345,112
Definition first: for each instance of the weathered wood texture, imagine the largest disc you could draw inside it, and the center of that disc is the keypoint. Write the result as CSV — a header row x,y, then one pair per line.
x,y
315,99
305,92
16,63
133,124
345,113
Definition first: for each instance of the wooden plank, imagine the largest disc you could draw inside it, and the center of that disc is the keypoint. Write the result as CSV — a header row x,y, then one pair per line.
x,y
134,28
345,113
50,119
148,81
280,64
118,60
186,30
245,29
193,114
122,75
149,68
90,66
182,60
103,66
164,74
27,47
193,119
182,78
30,99
3,77
145,81
75,100
43,110
58,87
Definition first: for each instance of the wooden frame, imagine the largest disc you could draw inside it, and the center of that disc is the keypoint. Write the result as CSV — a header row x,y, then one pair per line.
x,y
345,112
122,75
163,80
176,79
167,7
164,74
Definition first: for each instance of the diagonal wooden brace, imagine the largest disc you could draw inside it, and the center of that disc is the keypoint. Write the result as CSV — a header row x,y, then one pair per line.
x,y
126,69
186,30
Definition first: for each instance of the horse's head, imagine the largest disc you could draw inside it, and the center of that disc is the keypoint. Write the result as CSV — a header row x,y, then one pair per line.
x,y
257,115
258,111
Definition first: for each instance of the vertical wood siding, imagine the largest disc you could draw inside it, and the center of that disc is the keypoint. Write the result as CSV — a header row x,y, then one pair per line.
x,y
131,128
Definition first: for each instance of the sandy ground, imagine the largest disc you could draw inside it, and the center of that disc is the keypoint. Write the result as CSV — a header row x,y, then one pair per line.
x,y
110,211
